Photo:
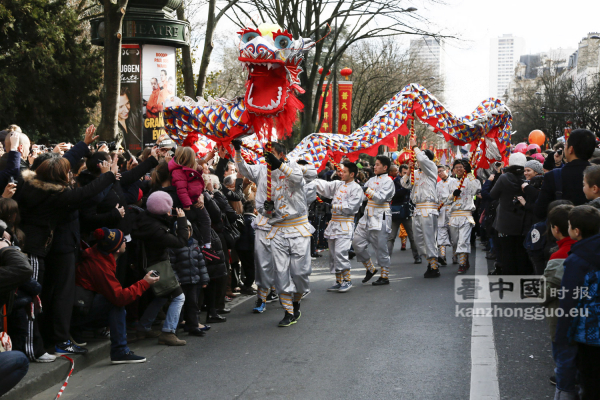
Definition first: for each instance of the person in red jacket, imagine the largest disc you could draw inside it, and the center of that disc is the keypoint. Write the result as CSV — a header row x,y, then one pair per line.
x,y
96,273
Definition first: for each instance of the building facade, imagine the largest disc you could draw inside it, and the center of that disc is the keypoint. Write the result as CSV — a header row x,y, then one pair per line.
x,y
504,56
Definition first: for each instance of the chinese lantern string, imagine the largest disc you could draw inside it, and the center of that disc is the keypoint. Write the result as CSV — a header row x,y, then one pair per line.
x,y
412,156
268,149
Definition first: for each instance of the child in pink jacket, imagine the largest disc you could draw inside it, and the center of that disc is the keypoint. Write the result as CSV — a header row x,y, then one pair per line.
x,y
190,185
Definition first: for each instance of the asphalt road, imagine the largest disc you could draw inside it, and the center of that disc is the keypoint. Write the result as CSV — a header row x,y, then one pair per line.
x,y
401,341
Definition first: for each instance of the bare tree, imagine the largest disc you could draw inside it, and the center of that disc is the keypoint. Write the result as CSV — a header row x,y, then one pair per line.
x,y
360,19
211,23
114,11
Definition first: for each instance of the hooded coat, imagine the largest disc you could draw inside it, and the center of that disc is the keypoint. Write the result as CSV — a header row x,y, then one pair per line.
x,y
188,181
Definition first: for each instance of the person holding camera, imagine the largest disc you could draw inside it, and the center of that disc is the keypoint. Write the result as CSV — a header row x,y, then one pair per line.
x,y
96,277
510,216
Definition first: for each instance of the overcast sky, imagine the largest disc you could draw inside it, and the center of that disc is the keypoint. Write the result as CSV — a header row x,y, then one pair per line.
x,y
543,25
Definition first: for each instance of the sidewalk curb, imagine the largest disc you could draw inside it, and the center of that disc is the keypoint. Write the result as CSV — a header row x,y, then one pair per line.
x,y
42,376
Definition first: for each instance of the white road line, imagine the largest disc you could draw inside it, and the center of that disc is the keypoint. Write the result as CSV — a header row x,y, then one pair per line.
x,y
484,361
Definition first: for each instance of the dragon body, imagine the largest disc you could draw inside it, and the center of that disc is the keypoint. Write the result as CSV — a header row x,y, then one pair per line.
x,y
269,108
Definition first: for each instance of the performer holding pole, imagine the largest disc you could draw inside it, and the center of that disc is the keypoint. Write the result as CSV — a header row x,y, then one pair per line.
x,y
376,223
443,191
424,196
347,197
461,204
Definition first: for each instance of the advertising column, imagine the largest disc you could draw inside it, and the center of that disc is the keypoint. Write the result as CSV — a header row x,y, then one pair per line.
x,y
159,84
130,102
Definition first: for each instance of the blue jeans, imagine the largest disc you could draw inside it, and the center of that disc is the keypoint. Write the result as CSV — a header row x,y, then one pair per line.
x,y
173,313
566,368
105,313
13,367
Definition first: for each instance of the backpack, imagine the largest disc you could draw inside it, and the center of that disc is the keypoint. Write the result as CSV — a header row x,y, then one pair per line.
x,y
535,240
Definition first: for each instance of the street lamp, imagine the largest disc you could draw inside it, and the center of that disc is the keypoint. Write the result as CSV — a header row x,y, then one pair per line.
x,y
594,37
409,9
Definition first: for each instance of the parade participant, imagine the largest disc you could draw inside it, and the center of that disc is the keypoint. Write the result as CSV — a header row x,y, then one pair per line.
x,y
288,240
424,196
443,192
461,207
347,197
376,223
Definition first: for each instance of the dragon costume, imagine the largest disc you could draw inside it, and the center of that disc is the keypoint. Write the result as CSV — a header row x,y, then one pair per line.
x,y
272,60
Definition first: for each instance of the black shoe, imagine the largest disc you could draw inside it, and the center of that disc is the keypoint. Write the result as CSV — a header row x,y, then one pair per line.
x,y
224,311
196,332
316,255
288,319
442,261
128,358
490,255
247,290
418,260
215,318
351,254
381,281
297,313
272,296
552,380
432,273
368,276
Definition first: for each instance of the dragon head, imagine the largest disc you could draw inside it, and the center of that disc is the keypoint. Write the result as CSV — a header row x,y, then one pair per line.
x,y
272,58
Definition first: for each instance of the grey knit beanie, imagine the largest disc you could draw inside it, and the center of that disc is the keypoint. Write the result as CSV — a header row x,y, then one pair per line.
x,y
534,165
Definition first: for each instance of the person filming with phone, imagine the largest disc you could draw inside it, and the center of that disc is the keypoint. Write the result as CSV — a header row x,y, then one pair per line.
x,y
99,288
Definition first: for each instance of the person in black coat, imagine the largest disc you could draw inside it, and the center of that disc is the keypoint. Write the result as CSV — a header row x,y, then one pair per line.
x,y
509,218
45,198
245,248
579,149
190,268
152,230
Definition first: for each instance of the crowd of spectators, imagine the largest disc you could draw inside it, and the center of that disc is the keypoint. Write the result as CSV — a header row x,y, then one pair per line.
x,y
137,247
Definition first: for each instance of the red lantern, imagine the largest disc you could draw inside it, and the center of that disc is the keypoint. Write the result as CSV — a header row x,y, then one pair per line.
x,y
346,72
321,71
405,156
537,137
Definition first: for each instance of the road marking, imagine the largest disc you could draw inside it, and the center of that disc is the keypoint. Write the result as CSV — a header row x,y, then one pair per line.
x,y
484,361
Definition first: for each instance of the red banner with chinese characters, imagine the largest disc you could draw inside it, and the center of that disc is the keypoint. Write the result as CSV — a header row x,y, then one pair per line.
x,y
345,107
327,125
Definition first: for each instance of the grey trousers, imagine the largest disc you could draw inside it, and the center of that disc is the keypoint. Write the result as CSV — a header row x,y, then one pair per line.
x,y
425,231
263,261
376,238
338,254
291,258
393,235
460,233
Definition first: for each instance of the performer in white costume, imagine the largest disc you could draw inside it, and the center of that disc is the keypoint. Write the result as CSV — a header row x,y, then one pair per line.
x,y
347,197
461,203
376,223
425,217
282,252
443,192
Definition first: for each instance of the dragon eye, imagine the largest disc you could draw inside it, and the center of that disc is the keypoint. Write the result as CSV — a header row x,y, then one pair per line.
x,y
282,42
248,36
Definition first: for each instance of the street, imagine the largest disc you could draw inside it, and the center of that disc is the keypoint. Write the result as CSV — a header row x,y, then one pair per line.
x,y
401,341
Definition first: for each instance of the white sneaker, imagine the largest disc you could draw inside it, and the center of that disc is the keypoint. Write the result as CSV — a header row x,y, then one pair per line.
x,y
46,358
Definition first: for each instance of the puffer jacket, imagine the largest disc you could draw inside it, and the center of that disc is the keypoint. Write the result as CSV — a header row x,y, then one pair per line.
x,y
581,270
188,181
188,264
216,267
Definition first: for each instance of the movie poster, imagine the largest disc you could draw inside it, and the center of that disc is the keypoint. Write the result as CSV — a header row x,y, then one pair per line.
x,y
159,83
130,99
